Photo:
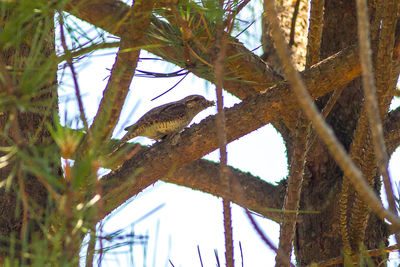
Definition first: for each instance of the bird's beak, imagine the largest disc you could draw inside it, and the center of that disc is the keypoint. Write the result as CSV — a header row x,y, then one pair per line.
x,y
210,103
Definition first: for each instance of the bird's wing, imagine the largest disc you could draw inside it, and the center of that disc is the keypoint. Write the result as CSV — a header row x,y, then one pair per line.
x,y
172,111
164,112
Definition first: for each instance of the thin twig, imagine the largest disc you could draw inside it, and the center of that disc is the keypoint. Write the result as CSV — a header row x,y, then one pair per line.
x,y
74,76
198,252
85,50
241,196
187,32
325,112
293,190
293,23
175,85
152,74
228,23
266,240
334,146
241,253
220,45
245,29
56,196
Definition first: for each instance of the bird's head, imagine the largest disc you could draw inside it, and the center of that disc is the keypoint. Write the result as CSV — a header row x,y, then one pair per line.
x,y
197,103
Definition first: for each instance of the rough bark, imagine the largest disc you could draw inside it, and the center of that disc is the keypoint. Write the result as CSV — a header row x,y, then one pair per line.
x,y
318,235
25,131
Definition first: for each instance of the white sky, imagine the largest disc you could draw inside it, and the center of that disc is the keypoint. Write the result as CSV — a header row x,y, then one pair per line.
x,y
187,218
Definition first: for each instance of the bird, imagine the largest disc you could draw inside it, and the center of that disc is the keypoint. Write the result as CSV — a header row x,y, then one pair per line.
x,y
168,119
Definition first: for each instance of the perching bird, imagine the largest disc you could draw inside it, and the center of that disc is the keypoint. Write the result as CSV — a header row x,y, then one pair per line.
x,y
167,119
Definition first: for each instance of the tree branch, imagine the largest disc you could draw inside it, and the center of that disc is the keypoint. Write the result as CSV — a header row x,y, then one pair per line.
x,y
149,165
255,194
315,31
384,57
293,191
135,21
259,196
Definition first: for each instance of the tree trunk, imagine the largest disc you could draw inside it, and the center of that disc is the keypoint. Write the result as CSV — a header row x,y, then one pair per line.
x,y
318,236
28,134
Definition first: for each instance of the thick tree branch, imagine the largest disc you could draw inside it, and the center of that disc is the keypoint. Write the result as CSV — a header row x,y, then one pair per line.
x,y
123,70
384,57
149,165
247,190
259,196
315,31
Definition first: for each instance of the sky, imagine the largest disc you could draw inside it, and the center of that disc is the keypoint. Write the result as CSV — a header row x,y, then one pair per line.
x,y
183,221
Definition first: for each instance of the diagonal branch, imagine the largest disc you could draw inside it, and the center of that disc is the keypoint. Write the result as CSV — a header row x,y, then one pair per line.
x,y
73,73
149,165
258,195
123,70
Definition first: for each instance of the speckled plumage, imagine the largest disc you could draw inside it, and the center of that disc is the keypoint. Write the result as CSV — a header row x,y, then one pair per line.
x,y
167,119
